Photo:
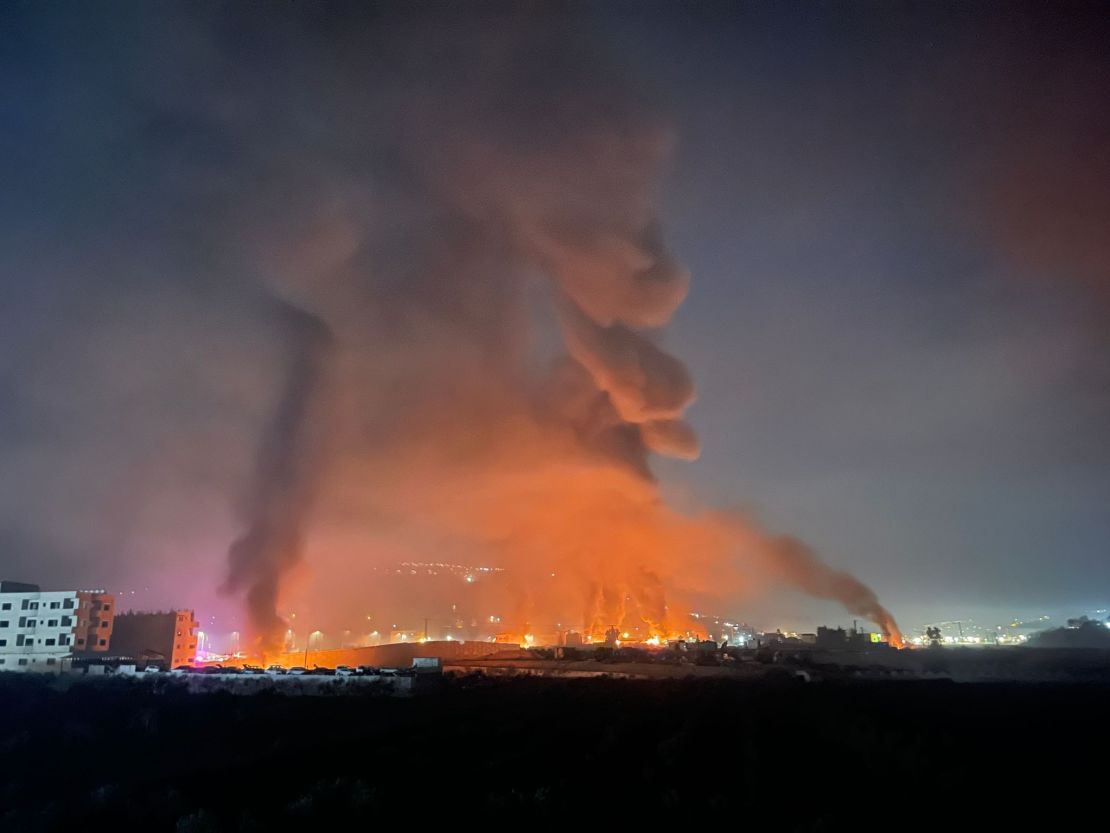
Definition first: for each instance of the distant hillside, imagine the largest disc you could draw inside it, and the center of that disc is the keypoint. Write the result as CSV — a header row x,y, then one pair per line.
x,y
1080,633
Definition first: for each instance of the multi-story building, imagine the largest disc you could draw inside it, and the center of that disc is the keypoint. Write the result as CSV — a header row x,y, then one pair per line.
x,y
41,628
168,638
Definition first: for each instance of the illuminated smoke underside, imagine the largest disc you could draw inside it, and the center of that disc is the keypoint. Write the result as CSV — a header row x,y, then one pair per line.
x,y
454,175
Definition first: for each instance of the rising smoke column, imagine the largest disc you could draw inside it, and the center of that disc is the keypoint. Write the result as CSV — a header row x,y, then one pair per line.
x,y
287,469
792,562
460,166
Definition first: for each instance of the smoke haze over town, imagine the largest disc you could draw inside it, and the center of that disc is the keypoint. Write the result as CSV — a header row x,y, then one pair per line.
x,y
625,302
554,411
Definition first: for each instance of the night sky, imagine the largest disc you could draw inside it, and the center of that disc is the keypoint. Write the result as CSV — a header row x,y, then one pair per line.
x,y
896,218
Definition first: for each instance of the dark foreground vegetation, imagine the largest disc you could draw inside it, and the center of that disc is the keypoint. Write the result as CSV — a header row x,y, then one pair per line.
x,y
773,755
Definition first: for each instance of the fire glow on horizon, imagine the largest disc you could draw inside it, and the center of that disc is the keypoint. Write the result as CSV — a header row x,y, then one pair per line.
x,y
422,413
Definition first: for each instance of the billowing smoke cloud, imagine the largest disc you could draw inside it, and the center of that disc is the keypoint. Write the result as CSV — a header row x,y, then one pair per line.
x,y
457,207
452,229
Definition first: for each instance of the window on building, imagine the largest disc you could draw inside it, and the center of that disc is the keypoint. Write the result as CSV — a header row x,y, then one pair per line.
x,y
51,641
3,623
103,642
50,660
67,621
81,643
53,623
20,640
55,605
2,661
6,606
34,605
26,605
32,622
68,603
23,660
3,643
103,624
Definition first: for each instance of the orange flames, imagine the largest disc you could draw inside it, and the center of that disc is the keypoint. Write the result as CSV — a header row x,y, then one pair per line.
x,y
495,383
585,543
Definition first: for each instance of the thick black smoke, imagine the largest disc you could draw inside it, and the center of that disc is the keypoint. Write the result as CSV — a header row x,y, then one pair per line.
x,y
464,201
286,475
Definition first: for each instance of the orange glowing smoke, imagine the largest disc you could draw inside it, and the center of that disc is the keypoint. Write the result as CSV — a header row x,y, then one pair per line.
x,y
585,542
499,383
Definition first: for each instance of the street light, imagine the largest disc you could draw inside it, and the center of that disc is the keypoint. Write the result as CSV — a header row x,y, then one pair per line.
x,y
308,644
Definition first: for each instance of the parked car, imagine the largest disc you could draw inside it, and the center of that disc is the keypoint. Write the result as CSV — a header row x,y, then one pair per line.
x,y
297,671
321,671
275,669
152,669
344,671
368,671
253,669
183,669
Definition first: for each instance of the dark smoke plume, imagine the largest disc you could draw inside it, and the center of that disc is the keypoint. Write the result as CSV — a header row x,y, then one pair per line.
x,y
438,220
286,475
463,199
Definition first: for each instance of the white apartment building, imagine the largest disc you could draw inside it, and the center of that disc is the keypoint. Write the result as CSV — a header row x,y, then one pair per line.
x,y
41,629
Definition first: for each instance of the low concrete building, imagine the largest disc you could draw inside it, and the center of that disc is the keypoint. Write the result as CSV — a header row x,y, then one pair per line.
x,y
168,638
